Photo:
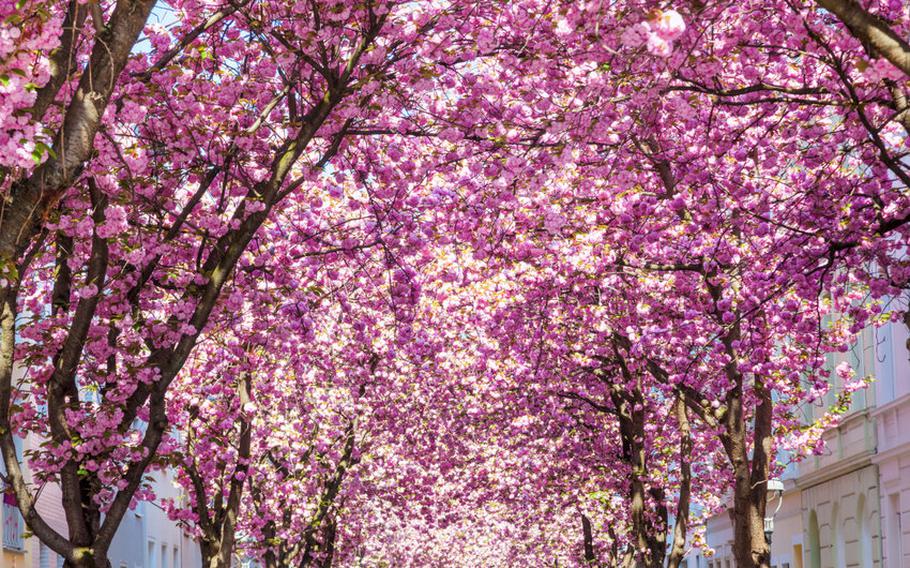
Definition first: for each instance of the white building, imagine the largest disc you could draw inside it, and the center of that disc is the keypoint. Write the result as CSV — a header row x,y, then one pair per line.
x,y
166,544
146,538
892,417
850,506
787,539
840,488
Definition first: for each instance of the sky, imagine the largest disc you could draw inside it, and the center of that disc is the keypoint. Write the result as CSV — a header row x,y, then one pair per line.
x,y
162,15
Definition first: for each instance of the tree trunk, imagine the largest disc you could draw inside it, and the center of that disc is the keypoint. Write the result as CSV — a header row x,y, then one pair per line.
x,y
31,198
907,323
872,31
750,548
214,555
750,476
217,548
588,540
648,537
87,558
329,541
680,527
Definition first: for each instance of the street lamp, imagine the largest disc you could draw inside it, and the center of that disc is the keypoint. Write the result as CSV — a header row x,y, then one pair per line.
x,y
774,486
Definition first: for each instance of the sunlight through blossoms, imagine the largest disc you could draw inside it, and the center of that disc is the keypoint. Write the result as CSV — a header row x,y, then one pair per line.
x,y
467,283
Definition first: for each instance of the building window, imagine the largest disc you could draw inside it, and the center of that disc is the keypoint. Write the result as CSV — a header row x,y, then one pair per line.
x,y
152,555
13,525
176,562
163,556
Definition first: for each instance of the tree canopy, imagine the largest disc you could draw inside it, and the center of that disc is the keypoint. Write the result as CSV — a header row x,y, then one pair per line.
x,y
535,281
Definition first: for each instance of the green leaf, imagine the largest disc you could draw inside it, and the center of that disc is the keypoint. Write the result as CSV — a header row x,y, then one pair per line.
x,y
40,149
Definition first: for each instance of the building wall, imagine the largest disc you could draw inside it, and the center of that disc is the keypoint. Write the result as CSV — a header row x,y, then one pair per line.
x,y
138,542
895,505
48,506
842,520
166,544
854,498
787,539
893,430
15,551
786,542
840,488
10,557
126,548
719,535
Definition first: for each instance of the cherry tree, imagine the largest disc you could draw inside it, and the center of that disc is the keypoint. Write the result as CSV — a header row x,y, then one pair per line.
x,y
714,212
274,405
631,210
170,147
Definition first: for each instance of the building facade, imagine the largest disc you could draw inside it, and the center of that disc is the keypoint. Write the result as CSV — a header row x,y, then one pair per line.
x,y
840,488
166,544
786,542
146,538
892,418
850,506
